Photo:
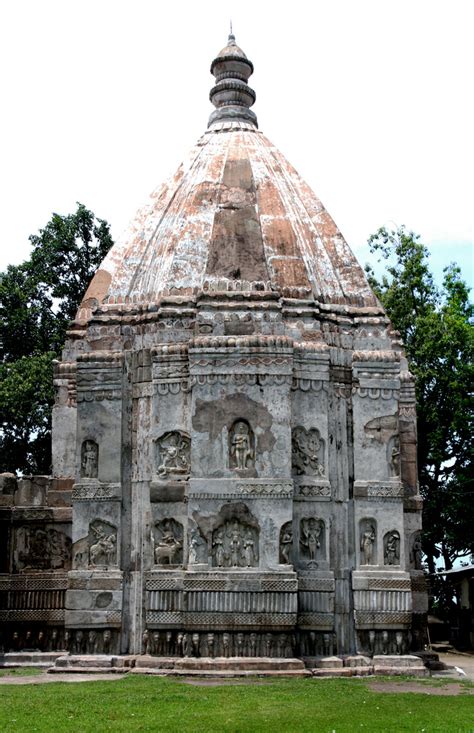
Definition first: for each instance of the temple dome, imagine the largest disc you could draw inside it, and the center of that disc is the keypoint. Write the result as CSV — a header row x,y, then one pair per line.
x,y
236,215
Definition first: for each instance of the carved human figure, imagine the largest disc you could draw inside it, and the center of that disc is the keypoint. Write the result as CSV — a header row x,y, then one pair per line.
x,y
306,446
367,542
173,454
392,548
197,547
89,459
92,642
310,533
241,451
235,543
102,551
286,543
248,549
218,545
394,457
416,555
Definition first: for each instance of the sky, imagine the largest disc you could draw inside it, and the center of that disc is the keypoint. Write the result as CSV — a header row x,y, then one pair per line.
x,y
371,101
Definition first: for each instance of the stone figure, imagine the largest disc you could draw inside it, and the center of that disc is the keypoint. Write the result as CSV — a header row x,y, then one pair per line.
x,y
106,641
394,456
235,544
168,546
173,454
41,548
197,547
146,642
242,454
307,455
89,459
102,543
286,543
416,555
310,537
367,542
392,548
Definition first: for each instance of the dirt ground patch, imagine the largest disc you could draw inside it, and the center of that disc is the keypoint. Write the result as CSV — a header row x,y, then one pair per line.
x,y
448,689
43,677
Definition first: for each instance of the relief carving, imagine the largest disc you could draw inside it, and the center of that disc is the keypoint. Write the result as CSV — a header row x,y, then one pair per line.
x,y
286,543
311,531
241,446
394,456
235,544
42,548
173,454
102,543
167,542
367,541
416,554
89,459
198,550
307,452
391,548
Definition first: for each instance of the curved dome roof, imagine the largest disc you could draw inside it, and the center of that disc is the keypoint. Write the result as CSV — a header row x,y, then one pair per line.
x,y
236,215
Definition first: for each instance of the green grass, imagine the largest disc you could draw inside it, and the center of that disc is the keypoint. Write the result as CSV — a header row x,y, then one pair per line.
x,y
20,671
139,703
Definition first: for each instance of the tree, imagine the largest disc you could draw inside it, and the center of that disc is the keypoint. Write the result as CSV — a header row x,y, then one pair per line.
x,y
38,299
436,327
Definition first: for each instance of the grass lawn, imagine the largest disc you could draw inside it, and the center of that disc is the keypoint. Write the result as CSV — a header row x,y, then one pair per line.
x,y
19,671
140,703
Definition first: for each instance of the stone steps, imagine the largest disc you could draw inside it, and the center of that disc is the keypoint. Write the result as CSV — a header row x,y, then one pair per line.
x,y
42,660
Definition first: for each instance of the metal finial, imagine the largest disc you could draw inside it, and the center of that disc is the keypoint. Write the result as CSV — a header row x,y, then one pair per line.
x,y
231,35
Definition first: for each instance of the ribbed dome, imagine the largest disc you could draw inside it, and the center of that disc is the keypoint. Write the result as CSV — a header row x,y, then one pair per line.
x,y
236,215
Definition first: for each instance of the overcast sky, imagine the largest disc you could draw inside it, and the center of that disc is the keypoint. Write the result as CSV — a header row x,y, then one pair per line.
x,y
371,101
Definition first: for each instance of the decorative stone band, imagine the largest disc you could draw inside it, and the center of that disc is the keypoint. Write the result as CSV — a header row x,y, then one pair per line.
x,y
209,581
251,489
223,601
384,600
377,356
95,491
38,581
316,621
32,615
372,619
316,584
241,379
220,620
309,385
264,490
378,490
375,393
41,514
315,492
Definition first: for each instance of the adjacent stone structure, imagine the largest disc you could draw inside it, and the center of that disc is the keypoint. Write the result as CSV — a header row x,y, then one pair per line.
x,y
234,433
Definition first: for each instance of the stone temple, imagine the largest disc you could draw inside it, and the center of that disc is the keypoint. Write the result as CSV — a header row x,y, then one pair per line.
x,y
234,434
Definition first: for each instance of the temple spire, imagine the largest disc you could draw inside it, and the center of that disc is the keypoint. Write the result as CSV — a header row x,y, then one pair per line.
x,y
231,95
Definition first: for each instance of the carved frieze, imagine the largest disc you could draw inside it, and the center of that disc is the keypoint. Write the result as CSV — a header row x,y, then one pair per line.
x,y
235,544
95,491
173,455
102,541
167,542
391,548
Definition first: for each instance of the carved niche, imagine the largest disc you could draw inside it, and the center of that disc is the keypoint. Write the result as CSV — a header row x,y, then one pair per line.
x,y
89,459
241,446
41,548
286,543
235,545
198,549
173,455
312,539
368,540
391,548
167,542
102,541
307,452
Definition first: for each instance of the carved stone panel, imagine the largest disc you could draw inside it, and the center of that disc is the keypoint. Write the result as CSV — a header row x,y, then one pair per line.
x,y
89,459
391,548
198,547
416,554
241,446
393,456
235,544
286,543
312,540
167,542
307,452
102,544
41,548
173,455
368,542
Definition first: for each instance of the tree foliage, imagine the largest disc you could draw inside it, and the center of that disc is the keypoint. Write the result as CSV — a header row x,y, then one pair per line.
x,y
38,299
435,324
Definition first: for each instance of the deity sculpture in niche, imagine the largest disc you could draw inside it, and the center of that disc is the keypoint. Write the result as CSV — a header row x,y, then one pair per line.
x,y
367,541
391,549
198,551
173,455
89,459
102,543
286,543
241,446
394,456
311,530
234,545
416,555
167,542
307,452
